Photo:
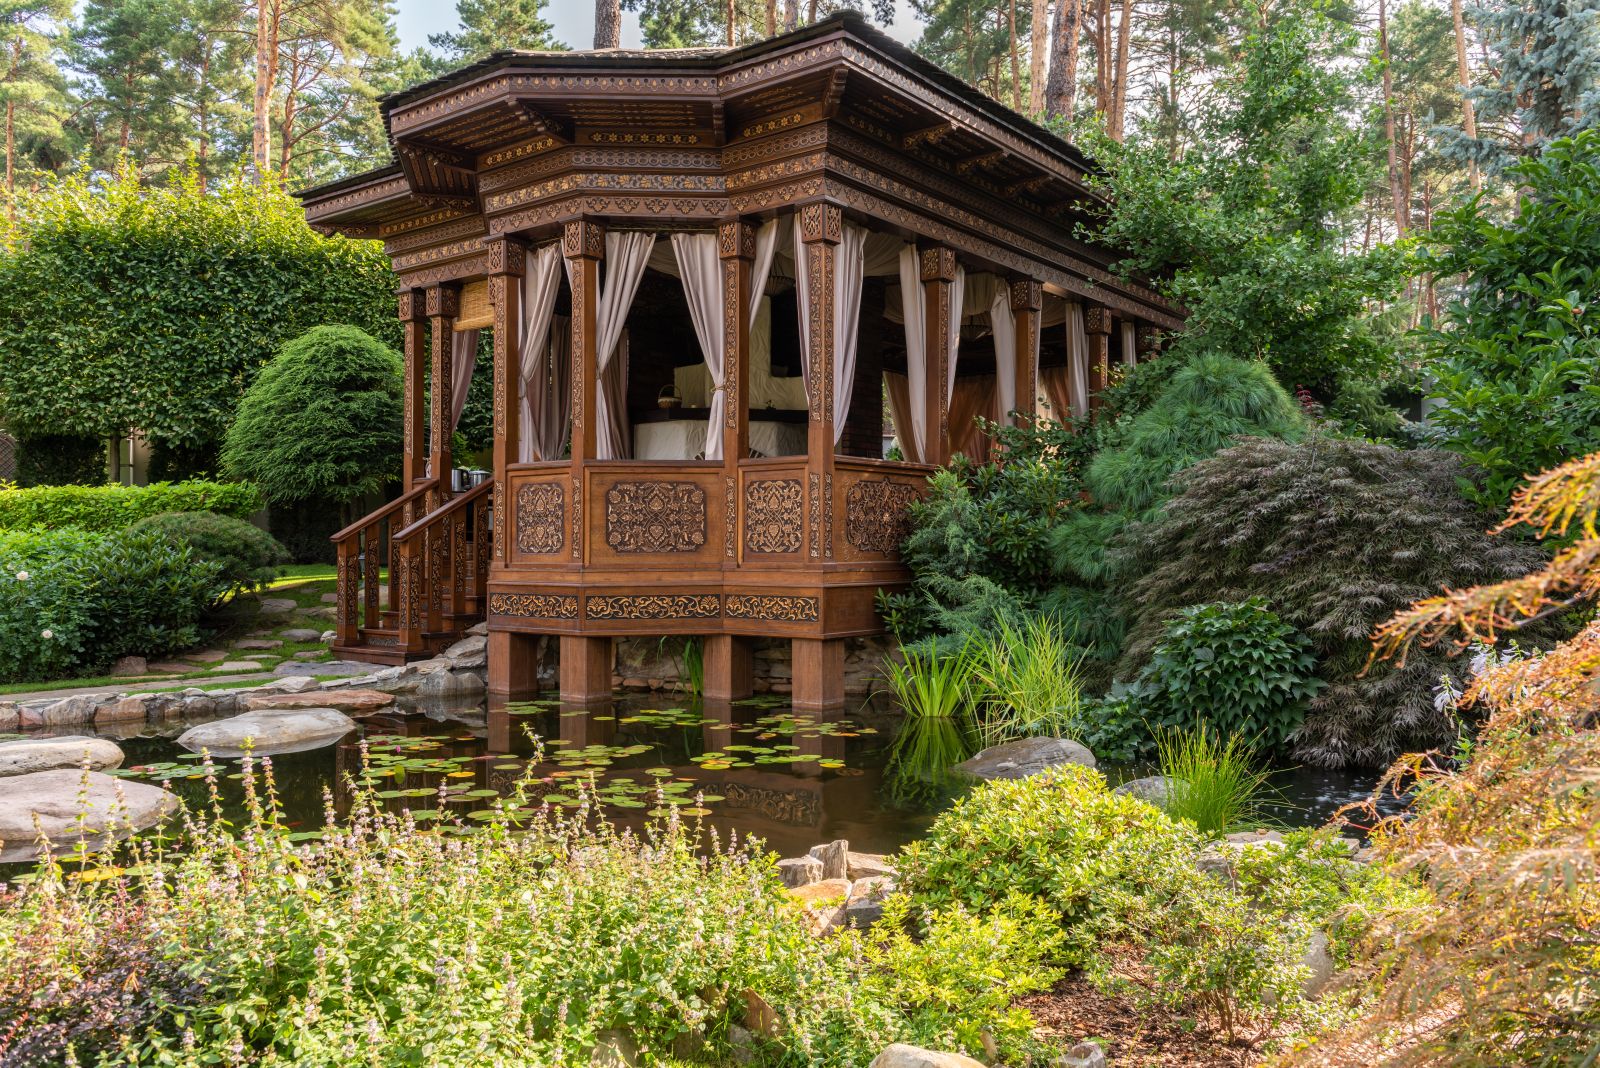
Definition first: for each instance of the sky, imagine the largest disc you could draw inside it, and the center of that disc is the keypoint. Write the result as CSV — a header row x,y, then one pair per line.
x,y
573,19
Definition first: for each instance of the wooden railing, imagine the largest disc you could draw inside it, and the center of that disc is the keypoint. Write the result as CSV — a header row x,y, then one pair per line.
x,y
434,569
443,565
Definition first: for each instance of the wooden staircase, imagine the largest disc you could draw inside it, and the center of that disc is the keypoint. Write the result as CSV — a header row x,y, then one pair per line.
x,y
413,575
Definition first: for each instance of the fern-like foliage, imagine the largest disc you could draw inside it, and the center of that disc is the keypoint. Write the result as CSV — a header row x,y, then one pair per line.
x,y
1337,535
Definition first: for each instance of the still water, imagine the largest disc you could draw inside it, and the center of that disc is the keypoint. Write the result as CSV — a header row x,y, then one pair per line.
x,y
754,768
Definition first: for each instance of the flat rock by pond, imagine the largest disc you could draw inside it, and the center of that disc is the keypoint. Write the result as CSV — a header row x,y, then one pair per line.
x,y
346,701
901,1055
348,668
69,804
1024,757
28,755
269,732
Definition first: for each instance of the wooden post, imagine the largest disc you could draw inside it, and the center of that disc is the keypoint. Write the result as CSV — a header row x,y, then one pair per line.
x,y
728,670
505,299
1027,298
729,673
1097,325
938,274
584,245
444,303
585,668
414,326
818,673
1147,342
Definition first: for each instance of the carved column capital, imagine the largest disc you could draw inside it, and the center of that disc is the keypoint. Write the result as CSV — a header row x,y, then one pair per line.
x,y
413,306
583,239
938,263
444,300
1026,295
821,222
1096,319
505,255
736,240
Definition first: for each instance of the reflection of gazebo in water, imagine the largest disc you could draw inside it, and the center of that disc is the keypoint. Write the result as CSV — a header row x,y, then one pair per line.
x,y
705,271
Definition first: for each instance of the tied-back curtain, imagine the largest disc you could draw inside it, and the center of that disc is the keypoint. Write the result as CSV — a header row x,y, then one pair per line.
x,y
913,431
1003,325
952,352
896,389
627,256
544,367
463,359
974,396
1130,350
849,266
547,398
1077,360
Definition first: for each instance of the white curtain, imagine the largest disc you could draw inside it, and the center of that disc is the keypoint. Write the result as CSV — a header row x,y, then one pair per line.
x,y
848,266
1003,325
952,352
913,433
1130,351
544,368
1077,360
463,358
627,256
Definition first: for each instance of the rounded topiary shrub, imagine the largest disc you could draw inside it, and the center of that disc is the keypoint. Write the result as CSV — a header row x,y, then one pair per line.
x,y
243,553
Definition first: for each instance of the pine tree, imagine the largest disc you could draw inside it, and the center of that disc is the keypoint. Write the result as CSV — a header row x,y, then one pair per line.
x,y
1546,58
122,49
31,86
211,83
492,25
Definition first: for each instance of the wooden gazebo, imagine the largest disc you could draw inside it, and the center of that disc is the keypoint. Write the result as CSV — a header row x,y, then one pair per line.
x,y
689,433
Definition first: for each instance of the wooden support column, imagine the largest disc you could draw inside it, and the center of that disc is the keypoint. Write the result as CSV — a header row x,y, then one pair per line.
x,y
1147,342
1097,325
818,667
583,243
938,274
414,327
444,304
585,668
728,670
1027,298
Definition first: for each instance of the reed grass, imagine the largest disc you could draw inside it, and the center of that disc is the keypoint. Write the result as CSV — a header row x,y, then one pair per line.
x,y
928,682
1215,784
1029,680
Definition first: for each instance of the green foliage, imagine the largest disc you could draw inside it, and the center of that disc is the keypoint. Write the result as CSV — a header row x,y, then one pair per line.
x,y
494,26
1516,359
113,507
928,683
1233,668
1246,227
71,601
1211,783
1027,681
127,291
244,553
321,421
1337,535
1201,408
60,460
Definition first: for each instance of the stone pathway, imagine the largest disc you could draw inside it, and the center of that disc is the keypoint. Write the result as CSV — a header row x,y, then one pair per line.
x,y
143,686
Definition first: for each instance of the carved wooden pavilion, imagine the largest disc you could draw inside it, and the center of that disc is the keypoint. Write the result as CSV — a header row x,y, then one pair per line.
x,y
689,434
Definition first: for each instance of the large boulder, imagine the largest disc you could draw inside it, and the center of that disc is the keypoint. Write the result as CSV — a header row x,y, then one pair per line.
x,y
28,755
69,804
269,732
347,701
1152,788
451,686
1024,757
71,711
901,1055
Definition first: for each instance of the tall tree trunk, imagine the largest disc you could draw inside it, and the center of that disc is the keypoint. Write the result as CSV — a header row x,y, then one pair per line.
x,y
791,14
1174,64
266,71
811,13
1469,118
1016,61
772,17
729,14
1119,87
1102,59
203,118
1061,92
1397,196
11,132
607,24
1038,49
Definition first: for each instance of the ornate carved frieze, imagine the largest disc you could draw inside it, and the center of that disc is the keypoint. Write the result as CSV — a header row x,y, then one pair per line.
x,y
774,512
467,227
357,198
453,250
875,515
774,124
648,207
418,222
534,605
814,506
653,606
642,137
575,515
541,518
629,183
455,270
730,514
516,152
784,608
655,517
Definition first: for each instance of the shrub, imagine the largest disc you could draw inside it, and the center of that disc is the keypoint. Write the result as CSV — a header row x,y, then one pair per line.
x,y
244,553
72,601
115,507
120,290
1236,669
1517,354
60,460
322,420
1338,534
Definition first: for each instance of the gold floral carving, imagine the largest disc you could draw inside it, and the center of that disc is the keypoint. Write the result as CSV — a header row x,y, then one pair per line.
x,y
773,510
655,517
534,605
876,518
786,608
653,606
541,518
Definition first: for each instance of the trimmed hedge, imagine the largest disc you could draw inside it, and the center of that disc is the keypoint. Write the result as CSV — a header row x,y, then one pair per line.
x,y
114,507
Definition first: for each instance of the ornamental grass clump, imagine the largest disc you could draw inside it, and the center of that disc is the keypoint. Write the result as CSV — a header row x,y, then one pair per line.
x,y
1210,782
1027,681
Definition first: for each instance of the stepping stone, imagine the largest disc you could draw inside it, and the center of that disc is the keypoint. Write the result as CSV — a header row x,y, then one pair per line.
x,y
330,598
237,665
269,732
170,667
28,755
207,656
129,666
70,805
346,701
258,643
300,634
278,606
342,668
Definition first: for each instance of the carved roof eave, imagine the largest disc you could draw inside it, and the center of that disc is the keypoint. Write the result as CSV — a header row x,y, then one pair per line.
x,y
359,204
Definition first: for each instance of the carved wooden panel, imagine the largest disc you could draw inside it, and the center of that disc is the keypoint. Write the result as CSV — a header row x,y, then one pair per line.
x,y
653,606
875,515
781,607
541,518
534,605
655,517
774,510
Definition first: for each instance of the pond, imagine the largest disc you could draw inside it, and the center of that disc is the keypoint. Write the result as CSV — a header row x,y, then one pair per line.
x,y
755,768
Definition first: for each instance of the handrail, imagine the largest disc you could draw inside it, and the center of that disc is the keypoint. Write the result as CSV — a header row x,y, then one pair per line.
x,y
459,501
413,494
